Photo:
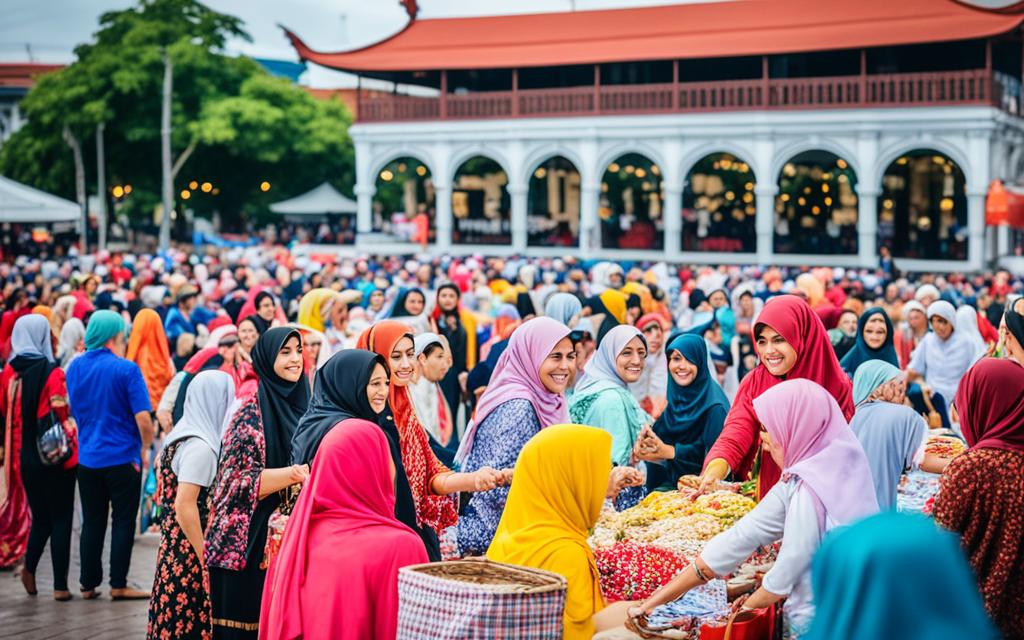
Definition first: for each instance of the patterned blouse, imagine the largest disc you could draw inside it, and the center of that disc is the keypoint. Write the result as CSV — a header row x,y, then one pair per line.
x,y
499,439
236,488
981,498
421,467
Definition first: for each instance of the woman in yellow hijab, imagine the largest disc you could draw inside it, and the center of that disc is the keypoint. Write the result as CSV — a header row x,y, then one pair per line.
x,y
558,487
315,306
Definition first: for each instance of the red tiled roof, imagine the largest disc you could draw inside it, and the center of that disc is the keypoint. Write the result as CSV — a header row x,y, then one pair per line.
x,y
23,74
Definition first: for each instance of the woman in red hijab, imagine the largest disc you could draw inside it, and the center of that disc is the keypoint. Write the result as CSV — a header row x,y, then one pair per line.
x,y
429,480
344,524
981,495
791,342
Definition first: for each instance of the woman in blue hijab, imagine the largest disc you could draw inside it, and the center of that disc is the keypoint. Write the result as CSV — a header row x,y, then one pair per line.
x,y
692,419
874,342
895,576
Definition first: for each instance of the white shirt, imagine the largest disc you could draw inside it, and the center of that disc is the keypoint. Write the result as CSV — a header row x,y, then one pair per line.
x,y
786,512
194,462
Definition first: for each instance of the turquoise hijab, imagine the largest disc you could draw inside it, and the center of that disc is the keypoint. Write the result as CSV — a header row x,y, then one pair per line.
x,y
103,325
871,375
683,418
895,576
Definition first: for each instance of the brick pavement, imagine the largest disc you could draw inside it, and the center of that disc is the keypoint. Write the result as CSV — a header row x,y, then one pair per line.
x,y
42,618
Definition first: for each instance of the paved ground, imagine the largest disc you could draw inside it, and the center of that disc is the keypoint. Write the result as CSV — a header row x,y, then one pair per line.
x,y
42,618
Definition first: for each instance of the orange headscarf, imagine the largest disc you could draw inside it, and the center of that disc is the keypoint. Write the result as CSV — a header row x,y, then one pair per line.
x,y
147,347
421,465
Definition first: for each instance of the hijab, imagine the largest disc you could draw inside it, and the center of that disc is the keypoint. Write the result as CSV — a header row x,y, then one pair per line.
x,y
516,377
315,308
890,434
810,286
871,375
399,310
524,305
819,449
557,491
946,360
30,338
349,497
1015,324
339,394
281,402
207,401
103,325
990,402
687,406
862,588
71,334
600,370
861,352
967,324
563,307
147,347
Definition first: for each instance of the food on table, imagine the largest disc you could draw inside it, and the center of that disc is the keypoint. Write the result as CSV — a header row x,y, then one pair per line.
x,y
945,446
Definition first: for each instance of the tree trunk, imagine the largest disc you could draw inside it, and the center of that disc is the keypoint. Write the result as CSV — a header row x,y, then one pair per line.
x,y
165,156
101,186
76,152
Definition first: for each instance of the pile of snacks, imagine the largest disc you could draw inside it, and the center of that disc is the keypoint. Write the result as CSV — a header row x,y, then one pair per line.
x,y
727,507
917,489
945,446
682,618
631,571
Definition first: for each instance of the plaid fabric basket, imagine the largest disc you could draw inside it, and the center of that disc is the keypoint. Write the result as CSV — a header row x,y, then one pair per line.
x,y
478,599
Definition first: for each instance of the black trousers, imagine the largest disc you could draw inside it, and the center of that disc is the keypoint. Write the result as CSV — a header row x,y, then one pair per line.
x,y
110,489
51,499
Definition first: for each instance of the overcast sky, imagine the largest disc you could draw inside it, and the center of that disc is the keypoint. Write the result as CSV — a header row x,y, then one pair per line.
x,y
48,30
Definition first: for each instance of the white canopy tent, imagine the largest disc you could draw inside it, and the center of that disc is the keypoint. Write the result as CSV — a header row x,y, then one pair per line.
x,y
21,203
322,200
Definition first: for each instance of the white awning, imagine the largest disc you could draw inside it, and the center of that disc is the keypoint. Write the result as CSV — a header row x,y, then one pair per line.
x,y
321,200
22,203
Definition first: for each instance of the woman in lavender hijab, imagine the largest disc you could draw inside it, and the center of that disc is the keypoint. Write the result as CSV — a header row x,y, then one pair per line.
x,y
525,395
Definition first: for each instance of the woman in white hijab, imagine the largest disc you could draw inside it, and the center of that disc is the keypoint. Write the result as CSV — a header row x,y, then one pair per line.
x,y
71,343
945,354
967,323
188,466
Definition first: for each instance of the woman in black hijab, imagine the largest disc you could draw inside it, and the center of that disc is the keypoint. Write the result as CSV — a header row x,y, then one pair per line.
x,y
340,394
254,471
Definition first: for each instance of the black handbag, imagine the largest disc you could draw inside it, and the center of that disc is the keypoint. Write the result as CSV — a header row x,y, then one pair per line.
x,y
54,444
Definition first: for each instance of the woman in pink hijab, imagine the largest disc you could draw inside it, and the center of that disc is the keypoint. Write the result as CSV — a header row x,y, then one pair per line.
x,y
826,483
336,575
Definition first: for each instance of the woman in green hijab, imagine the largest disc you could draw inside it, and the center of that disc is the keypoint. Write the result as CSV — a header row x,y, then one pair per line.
x,y
895,576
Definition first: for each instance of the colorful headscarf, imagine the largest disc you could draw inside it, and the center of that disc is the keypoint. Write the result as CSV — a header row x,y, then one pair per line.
x,y
990,402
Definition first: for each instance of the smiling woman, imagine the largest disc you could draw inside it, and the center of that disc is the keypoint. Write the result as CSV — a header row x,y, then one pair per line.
x,y
603,399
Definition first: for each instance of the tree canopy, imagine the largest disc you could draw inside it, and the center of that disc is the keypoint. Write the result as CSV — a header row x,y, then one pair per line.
x,y
234,125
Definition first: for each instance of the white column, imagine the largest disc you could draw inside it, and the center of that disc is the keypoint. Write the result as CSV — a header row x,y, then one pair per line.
x,y
364,207
764,222
976,229
518,193
673,211
589,232
365,187
443,179
867,226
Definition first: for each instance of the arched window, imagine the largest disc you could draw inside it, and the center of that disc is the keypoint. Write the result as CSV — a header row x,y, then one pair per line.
x,y
553,205
403,204
923,209
719,207
816,207
630,207
481,203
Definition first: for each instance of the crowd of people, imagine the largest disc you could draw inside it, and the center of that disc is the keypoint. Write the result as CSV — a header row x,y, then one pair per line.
x,y
298,429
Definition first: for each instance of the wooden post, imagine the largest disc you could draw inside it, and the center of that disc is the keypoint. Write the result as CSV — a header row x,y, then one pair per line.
x,y
597,88
862,99
675,85
765,99
444,95
515,93
988,83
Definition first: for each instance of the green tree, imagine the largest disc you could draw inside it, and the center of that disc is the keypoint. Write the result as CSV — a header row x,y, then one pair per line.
x,y
233,124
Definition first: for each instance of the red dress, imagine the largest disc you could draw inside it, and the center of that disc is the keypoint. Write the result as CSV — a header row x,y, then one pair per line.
x,y
15,518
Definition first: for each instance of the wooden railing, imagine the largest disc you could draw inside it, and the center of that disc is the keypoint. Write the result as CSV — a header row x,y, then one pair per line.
x,y
975,87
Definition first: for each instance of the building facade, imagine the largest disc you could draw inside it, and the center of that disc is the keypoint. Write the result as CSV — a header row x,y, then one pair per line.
x,y
776,142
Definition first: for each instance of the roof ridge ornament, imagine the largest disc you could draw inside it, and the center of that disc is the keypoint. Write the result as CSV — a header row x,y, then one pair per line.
x,y
411,7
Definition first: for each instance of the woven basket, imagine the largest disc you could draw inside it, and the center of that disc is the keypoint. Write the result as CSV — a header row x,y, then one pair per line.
x,y
469,599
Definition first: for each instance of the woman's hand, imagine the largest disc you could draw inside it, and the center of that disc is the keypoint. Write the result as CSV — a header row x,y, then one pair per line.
x,y
506,476
715,472
298,474
622,477
650,448
486,478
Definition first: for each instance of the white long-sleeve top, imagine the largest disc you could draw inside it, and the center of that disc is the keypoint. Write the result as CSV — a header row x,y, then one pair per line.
x,y
786,512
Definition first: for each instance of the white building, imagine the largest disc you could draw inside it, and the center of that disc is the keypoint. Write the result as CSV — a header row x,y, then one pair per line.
x,y
772,132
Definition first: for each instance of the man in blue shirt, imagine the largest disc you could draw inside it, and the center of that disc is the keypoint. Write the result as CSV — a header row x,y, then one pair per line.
x,y
179,319
110,403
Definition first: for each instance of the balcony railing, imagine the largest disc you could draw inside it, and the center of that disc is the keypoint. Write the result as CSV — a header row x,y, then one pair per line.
x,y
975,87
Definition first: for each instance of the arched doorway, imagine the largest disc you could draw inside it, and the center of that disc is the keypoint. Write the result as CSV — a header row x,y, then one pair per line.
x,y
816,206
403,204
481,203
630,207
719,206
553,204
922,212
